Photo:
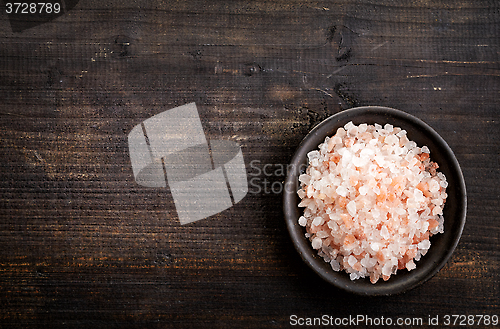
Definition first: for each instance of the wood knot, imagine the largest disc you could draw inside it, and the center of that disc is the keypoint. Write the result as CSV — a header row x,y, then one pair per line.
x,y
251,69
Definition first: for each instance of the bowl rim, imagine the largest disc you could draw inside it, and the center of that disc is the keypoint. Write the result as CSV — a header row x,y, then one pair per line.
x,y
291,212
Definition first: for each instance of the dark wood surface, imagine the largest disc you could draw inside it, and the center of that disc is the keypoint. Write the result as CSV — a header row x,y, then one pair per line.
x,y
82,245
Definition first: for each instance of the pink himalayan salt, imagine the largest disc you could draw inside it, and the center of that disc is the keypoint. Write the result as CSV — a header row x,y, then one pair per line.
x,y
372,199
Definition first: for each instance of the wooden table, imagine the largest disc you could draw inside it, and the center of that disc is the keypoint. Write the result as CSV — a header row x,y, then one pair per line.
x,y
83,245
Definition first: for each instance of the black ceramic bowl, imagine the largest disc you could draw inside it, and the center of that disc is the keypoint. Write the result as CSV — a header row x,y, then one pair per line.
x,y
454,212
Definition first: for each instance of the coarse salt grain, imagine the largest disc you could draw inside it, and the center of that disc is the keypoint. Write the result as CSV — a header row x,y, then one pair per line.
x,y
372,199
302,221
316,243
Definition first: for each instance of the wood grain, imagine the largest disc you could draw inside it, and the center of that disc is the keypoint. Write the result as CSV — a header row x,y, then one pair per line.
x,y
83,245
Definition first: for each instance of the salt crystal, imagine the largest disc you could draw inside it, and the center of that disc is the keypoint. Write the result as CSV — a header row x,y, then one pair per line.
x,y
394,261
418,256
363,190
316,243
392,139
318,221
325,256
304,178
425,244
342,191
348,125
312,206
419,195
410,265
346,158
437,201
383,132
334,141
366,152
384,232
302,221
337,140
332,225
315,174
360,161
313,155
310,191
395,170
387,269
375,213
335,265
365,261
372,170
323,148
334,216
351,208
400,211
322,234
398,150
380,160
341,132
305,202
368,261
356,147
433,186
437,210
352,260
353,131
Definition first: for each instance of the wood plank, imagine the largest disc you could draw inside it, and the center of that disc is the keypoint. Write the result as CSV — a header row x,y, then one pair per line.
x,y
83,245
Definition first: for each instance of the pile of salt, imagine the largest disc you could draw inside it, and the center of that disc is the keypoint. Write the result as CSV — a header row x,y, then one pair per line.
x,y
372,199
